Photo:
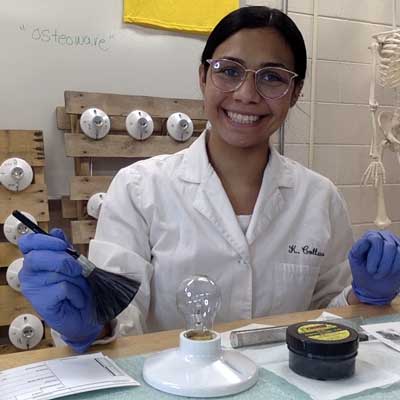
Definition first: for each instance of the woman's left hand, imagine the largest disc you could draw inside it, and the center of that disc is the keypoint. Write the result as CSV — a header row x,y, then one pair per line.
x,y
375,265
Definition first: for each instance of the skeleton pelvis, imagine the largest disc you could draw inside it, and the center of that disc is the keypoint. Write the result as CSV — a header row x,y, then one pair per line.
x,y
389,123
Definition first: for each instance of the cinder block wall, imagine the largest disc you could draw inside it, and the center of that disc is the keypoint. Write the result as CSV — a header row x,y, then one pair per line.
x,y
342,118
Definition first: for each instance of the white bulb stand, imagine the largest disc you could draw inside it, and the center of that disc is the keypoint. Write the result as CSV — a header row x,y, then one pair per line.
x,y
13,228
16,174
94,204
25,332
200,368
139,125
12,274
95,123
180,126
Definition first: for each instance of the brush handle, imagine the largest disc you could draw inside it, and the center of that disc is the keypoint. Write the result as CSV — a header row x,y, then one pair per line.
x,y
37,229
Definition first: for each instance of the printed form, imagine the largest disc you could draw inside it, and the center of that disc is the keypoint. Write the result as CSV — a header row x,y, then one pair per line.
x,y
61,377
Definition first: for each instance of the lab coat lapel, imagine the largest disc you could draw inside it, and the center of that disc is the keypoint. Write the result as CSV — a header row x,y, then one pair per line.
x,y
211,200
213,203
270,201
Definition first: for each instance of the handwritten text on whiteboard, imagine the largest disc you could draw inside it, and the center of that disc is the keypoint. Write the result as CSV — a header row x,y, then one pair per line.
x,y
53,36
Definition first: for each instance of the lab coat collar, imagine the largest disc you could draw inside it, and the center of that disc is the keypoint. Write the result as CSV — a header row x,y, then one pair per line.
x,y
213,203
196,166
278,176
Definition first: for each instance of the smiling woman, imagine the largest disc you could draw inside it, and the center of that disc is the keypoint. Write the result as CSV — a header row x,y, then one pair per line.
x,y
273,235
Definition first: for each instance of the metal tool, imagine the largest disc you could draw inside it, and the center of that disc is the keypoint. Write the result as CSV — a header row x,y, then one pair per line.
x,y
277,334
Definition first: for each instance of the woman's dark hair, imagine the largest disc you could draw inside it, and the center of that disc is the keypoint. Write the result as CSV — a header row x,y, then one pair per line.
x,y
259,17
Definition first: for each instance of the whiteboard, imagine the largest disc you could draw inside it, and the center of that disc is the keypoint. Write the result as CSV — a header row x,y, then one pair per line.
x,y
49,46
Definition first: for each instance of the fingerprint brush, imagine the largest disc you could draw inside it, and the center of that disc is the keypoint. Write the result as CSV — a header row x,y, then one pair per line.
x,y
112,292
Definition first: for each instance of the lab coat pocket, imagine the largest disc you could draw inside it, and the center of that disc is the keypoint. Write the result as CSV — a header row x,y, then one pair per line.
x,y
294,286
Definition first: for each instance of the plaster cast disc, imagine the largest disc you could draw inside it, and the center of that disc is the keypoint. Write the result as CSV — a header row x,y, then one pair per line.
x,y
12,274
13,228
26,331
139,125
95,123
94,204
15,174
180,126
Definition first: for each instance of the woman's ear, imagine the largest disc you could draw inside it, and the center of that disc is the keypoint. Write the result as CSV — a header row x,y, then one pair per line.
x,y
296,93
202,78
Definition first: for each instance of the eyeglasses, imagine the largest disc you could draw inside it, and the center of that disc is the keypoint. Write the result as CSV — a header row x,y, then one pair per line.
x,y
270,82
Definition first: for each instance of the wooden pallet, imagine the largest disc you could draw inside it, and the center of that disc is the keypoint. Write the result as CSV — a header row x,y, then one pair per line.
x,y
117,144
28,145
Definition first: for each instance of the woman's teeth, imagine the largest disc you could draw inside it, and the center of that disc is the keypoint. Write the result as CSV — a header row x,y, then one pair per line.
x,y
242,118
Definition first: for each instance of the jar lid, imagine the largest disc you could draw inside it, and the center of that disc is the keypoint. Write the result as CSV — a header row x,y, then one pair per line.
x,y
322,338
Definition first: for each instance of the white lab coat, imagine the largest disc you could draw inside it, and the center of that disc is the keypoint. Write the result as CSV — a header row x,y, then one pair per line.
x,y
168,217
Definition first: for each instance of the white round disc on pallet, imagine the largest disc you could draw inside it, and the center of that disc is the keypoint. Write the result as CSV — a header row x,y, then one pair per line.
x,y
26,331
94,204
13,228
95,123
16,174
180,126
12,274
139,124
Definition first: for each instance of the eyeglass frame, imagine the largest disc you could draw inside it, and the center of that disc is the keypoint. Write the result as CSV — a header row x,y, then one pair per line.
x,y
246,70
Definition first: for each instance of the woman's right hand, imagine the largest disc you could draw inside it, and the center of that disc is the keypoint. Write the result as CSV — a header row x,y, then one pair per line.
x,y
52,282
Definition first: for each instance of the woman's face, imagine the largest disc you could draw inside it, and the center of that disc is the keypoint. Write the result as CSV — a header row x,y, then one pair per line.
x,y
229,112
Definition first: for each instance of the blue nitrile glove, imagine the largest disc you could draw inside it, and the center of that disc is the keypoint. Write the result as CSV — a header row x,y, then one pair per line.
x,y
375,265
51,280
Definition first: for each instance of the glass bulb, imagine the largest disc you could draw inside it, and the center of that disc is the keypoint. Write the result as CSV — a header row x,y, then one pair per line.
x,y
198,299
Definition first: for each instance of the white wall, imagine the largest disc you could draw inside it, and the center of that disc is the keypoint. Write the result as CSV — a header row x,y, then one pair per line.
x,y
342,118
35,69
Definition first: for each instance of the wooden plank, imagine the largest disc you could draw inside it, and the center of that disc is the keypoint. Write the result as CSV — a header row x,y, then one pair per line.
x,y
9,348
117,104
8,253
83,231
26,144
83,187
33,200
113,146
38,175
68,208
12,304
118,123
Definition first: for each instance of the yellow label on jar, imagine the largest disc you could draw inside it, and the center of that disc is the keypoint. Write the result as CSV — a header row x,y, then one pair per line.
x,y
324,332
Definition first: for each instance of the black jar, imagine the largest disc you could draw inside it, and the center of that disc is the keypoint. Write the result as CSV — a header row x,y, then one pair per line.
x,y
322,350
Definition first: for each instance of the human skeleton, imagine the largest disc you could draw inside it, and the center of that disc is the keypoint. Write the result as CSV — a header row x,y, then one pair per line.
x,y
385,50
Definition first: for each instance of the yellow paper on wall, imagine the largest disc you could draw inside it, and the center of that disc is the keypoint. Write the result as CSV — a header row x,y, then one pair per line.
x,y
198,16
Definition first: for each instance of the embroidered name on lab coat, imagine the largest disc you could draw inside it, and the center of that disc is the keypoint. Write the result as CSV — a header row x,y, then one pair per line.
x,y
308,250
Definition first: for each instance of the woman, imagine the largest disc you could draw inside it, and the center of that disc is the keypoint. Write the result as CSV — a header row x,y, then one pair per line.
x,y
272,234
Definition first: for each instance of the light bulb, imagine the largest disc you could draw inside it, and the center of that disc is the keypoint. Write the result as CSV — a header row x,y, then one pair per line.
x,y
198,299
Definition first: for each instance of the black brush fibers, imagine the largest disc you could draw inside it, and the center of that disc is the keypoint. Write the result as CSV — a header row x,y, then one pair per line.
x,y
112,292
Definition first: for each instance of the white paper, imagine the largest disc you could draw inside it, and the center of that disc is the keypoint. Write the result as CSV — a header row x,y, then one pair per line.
x,y
61,377
387,333
367,376
375,367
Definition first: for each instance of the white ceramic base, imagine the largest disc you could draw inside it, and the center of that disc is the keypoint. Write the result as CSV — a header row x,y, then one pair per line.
x,y
25,332
200,369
